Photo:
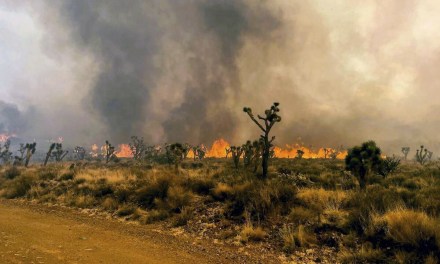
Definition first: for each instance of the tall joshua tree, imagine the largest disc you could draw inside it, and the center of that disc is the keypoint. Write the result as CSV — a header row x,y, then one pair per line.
x,y
265,124
30,150
55,151
423,155
109,152
405,151
138,147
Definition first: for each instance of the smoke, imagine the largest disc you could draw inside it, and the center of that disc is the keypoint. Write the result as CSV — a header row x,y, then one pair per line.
x,y
344,72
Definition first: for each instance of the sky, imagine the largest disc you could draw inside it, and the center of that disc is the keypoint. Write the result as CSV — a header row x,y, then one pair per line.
x,y
343,71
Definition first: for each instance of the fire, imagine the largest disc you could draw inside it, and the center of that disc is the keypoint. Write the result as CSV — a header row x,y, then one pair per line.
x,y
218,149
290,151
5,136
124,151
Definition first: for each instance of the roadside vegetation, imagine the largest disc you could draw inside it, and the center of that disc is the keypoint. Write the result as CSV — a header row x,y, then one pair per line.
x,y
302,204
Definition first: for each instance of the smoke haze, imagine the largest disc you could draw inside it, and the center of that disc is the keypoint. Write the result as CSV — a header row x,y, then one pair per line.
x,y
343,71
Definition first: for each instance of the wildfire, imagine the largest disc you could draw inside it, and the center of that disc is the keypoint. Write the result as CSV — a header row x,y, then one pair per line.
x,y
218,149
4,137
291,151
124,151
219,146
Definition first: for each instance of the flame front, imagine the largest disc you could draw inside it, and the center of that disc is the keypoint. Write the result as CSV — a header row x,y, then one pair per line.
x,y
291,151
218,149
4,137
124,151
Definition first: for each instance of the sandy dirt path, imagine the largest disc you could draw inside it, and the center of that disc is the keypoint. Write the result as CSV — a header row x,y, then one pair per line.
x,y
38,234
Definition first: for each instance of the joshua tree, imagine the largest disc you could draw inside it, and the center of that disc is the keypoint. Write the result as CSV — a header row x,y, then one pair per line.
x,y
258,146
363,160
55,151
236,154
422,155
30,150
137,147
248,151
227,151
199,152
174,153
5,154
405,151
18,160
80,153
271,117
109,152
299,154
186,149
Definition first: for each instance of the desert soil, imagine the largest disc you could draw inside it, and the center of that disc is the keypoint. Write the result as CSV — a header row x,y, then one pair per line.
x,y
34,233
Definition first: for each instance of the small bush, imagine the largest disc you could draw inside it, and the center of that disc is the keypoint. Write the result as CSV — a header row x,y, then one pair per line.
x,y
156,215
18,187
11,173
109,204
221,192
125,210
67,176
199,186
408,227
182,219
300,215
177,198
155,190
85,201
250,233
365,255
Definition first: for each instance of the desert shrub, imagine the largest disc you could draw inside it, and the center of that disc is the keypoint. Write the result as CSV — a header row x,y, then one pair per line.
x,y
221,192
182,219
110,204
70,175
157,189
125,210
18,187
428,199
11,173
177,198
365,255
259,199
296,237
156,215
200,186
251,233
102,188
408,227
84,201
320,199
300,215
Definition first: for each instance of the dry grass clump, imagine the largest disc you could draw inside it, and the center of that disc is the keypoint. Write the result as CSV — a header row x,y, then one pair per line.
x,y
366,254
222,191
408,227
110,204
251,233
321,199
18,186
296,237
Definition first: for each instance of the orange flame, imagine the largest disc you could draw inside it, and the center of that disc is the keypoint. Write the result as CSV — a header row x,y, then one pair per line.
x,y
290,151
124,151
218,149
4,137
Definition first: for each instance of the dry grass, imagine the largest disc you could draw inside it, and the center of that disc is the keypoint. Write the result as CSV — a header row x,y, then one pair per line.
x,y
251,233
407,226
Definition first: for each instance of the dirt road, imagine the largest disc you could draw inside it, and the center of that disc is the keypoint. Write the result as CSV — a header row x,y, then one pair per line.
x,y
38,234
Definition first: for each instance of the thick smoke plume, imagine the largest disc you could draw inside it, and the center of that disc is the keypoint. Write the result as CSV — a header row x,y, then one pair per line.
x,y
169,70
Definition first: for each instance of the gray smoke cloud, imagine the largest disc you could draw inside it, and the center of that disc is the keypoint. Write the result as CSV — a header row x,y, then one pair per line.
x,y
344,72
